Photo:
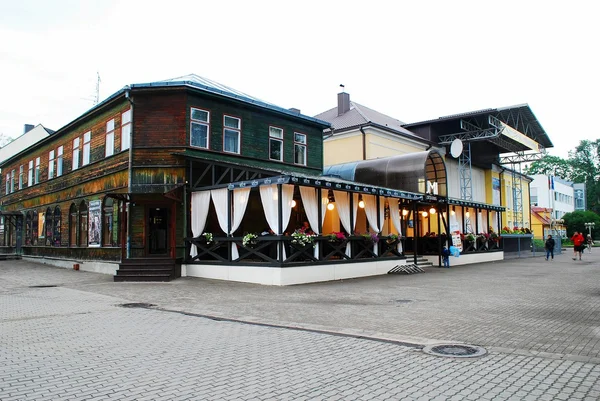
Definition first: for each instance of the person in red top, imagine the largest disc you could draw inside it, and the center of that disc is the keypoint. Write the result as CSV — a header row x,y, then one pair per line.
x,y
578,246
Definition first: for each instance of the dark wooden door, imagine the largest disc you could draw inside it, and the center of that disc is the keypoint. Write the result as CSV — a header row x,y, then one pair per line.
x,y
158,231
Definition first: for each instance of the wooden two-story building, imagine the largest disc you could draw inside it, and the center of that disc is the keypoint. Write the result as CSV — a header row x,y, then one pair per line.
x,y
110,190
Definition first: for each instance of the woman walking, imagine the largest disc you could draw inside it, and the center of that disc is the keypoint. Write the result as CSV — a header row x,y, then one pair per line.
x,y
578,245
549,246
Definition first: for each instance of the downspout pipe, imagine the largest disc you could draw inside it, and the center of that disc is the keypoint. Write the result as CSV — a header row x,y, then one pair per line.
x,y
364,142
130,170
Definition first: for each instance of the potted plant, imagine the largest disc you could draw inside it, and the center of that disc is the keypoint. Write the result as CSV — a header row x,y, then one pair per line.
x,y
370,237
392,239
301,238
249,239
208,238
336,236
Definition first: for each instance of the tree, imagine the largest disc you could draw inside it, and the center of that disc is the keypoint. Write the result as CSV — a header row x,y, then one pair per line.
x,y
585,163
4,139
550,165
575,221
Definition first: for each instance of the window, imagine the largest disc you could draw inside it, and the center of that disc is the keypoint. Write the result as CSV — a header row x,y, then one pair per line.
x,y
125,129
51,165
59,161
21,176
28,220
299,149
107,222
73,225
275,143
533,196
48,226
200,127
12,181
34,228
231,134
75,153
37,170
87,138
110,138
7,183
56,227
83,224
30,174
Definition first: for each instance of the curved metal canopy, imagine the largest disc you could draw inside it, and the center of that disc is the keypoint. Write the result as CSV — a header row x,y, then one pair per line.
x,y
409,172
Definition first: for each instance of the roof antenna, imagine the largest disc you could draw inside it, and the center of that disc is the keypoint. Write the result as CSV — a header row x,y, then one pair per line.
x,y
342,86
97,99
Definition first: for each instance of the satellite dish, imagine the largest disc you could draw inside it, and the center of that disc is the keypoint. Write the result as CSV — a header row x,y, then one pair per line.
x,y
456,148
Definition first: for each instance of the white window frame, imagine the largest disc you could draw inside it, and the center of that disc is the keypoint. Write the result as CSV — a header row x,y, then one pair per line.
x,y
21,176
7,183
51,164
59,161
109,149
76,143
125,130
276,136
38,171
300,144
232,130
87,148
12,181
30,174
205,123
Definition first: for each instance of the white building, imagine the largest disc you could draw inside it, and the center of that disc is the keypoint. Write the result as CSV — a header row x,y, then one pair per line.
x,y
554,193
31,135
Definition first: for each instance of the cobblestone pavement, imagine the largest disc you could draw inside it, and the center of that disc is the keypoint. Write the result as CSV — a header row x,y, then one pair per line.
x,y
539,321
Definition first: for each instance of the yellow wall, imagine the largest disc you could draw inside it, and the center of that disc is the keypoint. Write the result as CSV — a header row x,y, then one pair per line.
x,y
342,150
509,214
380,146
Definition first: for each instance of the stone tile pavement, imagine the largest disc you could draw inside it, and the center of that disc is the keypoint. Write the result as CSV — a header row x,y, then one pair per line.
x,y
538,320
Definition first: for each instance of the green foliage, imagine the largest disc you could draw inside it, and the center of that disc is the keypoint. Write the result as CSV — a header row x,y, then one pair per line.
x,y
550,165
575,221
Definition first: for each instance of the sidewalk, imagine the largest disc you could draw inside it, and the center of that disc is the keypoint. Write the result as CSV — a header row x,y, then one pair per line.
x,y
526,306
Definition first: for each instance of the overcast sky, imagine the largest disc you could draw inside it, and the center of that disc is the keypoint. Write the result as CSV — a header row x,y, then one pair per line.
x,y
412,60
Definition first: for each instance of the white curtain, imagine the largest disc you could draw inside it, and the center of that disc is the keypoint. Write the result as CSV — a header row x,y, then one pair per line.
x,y
494,220
311,207
269,197
200,205
240,202
480,226
371,212
395,216
342,202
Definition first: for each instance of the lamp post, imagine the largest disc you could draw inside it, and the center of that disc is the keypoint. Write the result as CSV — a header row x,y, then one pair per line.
x,y
589,226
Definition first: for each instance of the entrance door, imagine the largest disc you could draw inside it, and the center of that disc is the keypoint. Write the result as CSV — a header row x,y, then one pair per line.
x,y
158,231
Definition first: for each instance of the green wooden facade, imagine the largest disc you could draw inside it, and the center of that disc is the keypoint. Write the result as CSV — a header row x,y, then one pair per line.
x,y
143,191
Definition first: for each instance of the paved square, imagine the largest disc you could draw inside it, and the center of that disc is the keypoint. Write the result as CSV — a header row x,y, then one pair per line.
x,y
538,320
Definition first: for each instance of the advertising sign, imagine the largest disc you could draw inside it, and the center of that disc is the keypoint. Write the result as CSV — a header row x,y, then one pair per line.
x,y
95,223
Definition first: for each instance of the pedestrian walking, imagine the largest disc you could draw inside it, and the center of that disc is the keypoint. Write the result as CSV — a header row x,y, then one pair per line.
x,y
549,246
590,242
578,245
446,257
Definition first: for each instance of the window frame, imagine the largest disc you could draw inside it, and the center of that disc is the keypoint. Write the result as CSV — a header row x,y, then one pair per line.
x,y
126,118
51,160
12,180
37,175
87,148
298,145
200,122
30,173
59,160
110,139
238,131
21,176
275,139
76,145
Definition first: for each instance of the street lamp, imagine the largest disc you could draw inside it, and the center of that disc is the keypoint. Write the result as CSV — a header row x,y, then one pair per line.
x,y
589,226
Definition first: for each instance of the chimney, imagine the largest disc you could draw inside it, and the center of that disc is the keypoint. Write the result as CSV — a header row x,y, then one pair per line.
x,y
294,110
27,128
343,103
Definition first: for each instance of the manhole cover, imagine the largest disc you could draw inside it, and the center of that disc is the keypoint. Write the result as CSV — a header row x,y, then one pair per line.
x,y
455,350
403,301
137,305
43,286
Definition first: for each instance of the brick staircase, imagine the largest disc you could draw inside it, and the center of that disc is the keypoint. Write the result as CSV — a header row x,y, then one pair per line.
x,y
148,269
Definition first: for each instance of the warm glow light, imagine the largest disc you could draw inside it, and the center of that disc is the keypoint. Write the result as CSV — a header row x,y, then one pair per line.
x,y
330,206
361,204
467,214
432,210
404,212
424,214
452,212
293,203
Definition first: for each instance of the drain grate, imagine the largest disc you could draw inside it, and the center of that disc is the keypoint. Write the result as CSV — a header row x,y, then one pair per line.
x,y
136,305
43,286
455,350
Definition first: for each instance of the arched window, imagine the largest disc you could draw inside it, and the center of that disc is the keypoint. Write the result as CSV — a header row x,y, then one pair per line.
x,y
35,228
108,214
57,226
48,226
73,225
83,224
28,231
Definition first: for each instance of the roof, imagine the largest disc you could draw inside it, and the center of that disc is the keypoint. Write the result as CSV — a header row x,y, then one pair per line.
x,y
207,85
520,117
536,210
360,115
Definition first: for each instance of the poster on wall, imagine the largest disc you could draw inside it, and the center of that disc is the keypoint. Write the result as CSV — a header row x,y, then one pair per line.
x,y
496,191
95,225
456,241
